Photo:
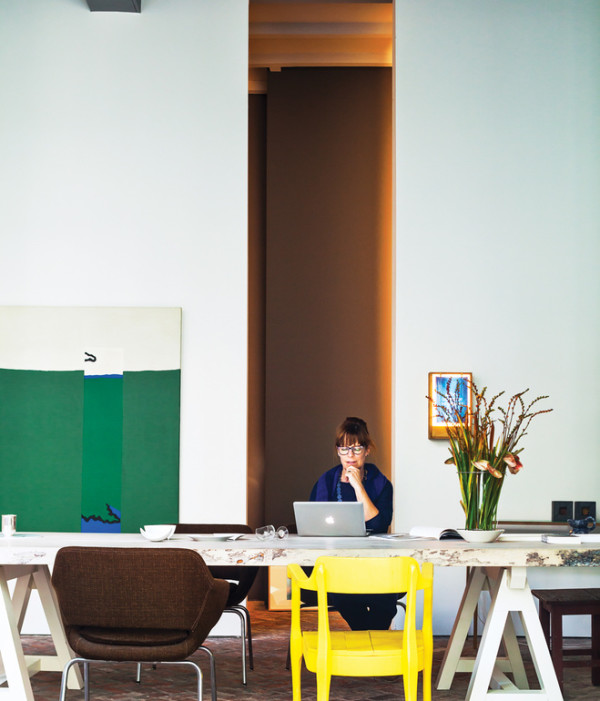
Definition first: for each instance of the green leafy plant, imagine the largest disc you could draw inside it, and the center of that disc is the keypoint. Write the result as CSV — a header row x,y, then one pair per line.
x,y
483,445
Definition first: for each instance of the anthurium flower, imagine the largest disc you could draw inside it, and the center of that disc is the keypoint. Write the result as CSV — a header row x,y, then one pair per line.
x,y
513,462
485,465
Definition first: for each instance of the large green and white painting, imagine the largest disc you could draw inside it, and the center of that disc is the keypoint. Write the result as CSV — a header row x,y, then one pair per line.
x,y
89,417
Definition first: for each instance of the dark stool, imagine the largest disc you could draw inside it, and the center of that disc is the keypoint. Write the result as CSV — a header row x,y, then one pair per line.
x,y
556,603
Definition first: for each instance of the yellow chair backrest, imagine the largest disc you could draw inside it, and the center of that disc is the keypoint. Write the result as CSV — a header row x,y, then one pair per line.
x,y
370,575
359,575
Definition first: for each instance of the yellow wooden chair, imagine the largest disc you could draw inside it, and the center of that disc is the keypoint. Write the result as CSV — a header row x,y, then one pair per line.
x,y
363,653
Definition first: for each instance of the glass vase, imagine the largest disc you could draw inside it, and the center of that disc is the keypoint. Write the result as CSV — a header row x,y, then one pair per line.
x,y
480,493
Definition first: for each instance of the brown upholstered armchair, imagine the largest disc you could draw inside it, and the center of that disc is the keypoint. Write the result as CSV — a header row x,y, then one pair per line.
x,y
136,604
240,581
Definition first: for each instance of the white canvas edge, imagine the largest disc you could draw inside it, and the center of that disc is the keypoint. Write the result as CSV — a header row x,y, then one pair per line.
x,y
56,338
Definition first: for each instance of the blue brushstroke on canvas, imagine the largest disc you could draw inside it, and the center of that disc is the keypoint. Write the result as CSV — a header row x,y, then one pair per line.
x,y
97,524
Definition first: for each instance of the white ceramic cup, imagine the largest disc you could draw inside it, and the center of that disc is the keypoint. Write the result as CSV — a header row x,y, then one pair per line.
x,y
9,524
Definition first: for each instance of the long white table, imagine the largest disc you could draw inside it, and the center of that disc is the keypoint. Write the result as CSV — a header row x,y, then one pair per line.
x,y
500,568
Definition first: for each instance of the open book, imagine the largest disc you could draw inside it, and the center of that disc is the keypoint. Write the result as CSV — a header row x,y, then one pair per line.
x,y
434,532
421,533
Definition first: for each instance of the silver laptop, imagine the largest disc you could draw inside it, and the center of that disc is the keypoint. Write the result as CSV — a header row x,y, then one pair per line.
x,y
330,518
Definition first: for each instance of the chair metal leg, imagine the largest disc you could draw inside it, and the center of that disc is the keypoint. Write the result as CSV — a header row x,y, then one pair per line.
x,y
246,614
86,680
235,609
138,674
249,631
65,675
198,672
86,673
213,671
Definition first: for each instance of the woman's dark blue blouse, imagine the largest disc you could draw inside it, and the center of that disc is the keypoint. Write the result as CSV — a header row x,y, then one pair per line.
x,y
329,488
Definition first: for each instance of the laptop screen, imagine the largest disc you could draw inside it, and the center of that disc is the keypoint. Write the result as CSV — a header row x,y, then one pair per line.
x,y
330,518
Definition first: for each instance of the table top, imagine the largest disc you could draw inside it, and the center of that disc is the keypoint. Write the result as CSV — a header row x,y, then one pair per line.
x,y
41,548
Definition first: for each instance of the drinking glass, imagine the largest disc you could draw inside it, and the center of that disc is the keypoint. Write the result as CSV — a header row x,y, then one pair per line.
x,y
265,532
282,532
9,524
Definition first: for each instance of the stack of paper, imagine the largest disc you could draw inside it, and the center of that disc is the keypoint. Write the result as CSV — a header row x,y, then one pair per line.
x,y
561,539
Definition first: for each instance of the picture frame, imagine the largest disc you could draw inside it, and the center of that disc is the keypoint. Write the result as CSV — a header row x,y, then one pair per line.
x,y
280,589
460,384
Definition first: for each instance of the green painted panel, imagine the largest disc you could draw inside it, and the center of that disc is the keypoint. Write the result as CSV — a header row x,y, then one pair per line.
x,y
42,434
150,480
41,421
102,450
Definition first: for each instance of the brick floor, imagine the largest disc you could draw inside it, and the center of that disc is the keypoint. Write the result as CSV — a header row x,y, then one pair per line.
x,y
268,682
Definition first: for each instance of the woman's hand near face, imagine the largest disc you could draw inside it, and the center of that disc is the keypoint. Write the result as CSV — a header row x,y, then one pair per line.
x,y
353,473
355,479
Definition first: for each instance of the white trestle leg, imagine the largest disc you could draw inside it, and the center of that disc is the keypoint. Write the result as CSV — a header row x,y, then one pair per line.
x,y
18,667
15,666
43,583
509,592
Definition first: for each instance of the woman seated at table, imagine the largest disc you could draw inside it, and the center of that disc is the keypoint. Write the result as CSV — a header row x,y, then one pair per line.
x,y
354,479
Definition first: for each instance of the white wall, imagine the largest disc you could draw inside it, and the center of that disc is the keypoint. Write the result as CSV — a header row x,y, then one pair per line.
x,y
498,244
123,182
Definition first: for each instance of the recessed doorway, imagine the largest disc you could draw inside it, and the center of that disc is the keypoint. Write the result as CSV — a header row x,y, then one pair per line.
x,y
320,228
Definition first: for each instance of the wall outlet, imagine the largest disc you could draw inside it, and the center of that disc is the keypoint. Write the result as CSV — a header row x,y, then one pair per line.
x,y
562,511
583,509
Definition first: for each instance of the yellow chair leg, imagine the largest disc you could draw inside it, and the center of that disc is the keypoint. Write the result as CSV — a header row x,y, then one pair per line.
x,y
427,680
411,680
323,685
296,668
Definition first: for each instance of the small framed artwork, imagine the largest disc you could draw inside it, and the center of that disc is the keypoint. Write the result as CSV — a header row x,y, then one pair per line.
x,y
583,509
562,511
280,589
450,401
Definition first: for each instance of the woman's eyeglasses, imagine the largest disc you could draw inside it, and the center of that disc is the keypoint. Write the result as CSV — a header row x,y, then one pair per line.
x,y
345,449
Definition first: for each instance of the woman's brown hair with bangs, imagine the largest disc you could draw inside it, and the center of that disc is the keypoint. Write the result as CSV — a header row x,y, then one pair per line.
x,y
353,430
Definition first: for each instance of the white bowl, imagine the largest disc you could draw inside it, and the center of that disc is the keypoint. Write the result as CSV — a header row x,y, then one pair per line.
x,y
158,532
480,536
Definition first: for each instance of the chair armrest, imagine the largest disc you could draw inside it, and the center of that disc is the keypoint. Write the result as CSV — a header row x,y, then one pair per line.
x,y
299,580
297,575
425,576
